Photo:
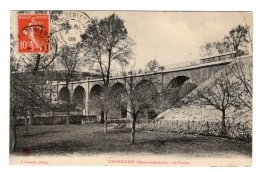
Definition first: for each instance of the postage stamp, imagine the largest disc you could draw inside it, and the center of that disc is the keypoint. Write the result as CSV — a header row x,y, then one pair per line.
x,y
33,33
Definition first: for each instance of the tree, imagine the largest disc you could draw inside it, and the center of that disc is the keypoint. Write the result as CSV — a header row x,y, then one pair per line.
x,y
152,65
236,41
69,59
140,97
222,47
243,73
106,42
221,96
27,97
27,93
207,49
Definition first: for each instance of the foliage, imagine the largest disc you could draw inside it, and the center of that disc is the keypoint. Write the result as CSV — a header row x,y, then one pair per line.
x,y
152,65
69,59
106,42
28,95
142,97
236,41
27,98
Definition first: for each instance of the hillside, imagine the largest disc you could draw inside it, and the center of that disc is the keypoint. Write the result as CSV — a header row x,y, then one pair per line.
x,y
195,112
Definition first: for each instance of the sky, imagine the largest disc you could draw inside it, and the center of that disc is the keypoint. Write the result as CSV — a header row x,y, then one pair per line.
x,y
175,37
171,37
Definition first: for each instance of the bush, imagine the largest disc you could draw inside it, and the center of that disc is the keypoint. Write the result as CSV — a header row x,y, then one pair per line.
x,y
238,131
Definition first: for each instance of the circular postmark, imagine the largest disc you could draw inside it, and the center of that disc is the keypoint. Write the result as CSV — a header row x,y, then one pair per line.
x,y
78,22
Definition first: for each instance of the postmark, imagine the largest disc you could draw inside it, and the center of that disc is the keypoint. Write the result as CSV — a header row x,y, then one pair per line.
x,y
33,33
78,22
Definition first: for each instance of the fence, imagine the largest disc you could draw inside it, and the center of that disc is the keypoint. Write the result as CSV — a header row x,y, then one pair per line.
x,y
238,131
61,119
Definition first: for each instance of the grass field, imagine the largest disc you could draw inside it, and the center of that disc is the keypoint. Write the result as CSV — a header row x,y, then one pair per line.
x,y
90,139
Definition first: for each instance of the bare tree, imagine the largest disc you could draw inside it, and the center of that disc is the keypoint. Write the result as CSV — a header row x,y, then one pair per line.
x,y
69,58
106,42
222,95
140,97
243,73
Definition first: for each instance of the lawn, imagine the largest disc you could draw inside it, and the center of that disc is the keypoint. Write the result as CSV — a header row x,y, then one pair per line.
x,y
89,139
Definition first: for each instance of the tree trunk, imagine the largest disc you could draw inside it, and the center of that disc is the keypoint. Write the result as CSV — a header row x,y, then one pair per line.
x,y
13,146
133,131
13,136
102,117
224,130
105,123
26,125
37,63
68,117
31,119
68,103
68,114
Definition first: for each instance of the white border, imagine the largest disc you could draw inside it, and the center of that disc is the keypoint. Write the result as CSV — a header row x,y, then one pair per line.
x,y
164,5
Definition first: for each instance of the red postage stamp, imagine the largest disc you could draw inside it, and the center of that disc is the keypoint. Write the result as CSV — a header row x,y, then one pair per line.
x,y
33,33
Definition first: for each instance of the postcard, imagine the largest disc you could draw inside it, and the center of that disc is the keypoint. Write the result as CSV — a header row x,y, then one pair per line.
x,y
131,88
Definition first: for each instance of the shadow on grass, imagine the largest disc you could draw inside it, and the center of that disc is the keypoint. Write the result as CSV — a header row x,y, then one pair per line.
x,y
42,133
122,130
60,147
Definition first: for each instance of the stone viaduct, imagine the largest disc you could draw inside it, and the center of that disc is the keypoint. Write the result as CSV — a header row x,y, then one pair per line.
x,y
187,77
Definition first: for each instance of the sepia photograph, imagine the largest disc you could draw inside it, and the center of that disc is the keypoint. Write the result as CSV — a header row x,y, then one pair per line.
x,y
131,88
